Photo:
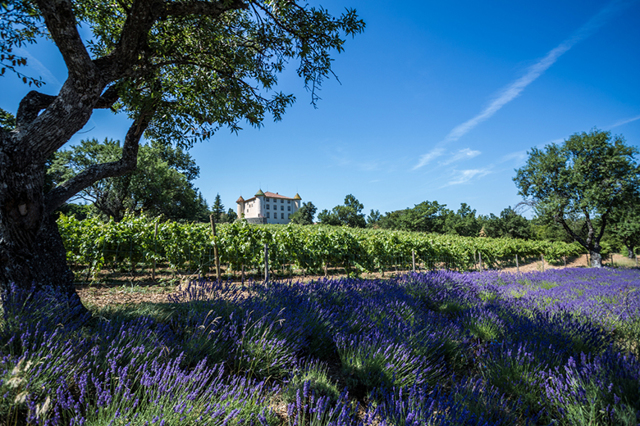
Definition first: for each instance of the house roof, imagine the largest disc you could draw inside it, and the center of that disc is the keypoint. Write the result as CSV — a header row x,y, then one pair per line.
x,y
276,195
268,195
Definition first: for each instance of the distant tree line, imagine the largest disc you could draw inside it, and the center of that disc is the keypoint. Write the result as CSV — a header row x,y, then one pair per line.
x,y
432,217
585,190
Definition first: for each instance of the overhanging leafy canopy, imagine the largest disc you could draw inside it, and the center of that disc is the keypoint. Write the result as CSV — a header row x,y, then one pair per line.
x,y
206,63
180,69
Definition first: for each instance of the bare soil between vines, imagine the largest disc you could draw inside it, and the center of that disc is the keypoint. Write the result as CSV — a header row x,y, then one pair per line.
x,y
124,288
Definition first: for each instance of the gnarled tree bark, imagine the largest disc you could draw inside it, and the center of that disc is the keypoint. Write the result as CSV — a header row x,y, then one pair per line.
x,y
31,249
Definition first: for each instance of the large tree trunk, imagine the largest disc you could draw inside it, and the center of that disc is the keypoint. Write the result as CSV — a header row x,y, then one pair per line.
x,y
43,262
31,251
630,252
596,258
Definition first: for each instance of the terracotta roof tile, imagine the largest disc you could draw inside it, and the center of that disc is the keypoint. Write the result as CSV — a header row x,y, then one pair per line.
x,y
274,195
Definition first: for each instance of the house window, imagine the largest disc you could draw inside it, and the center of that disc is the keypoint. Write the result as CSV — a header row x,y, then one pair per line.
x,y
267,206
266,199
267,215
282,208
282,201
281,215
289,216
288,201
289,208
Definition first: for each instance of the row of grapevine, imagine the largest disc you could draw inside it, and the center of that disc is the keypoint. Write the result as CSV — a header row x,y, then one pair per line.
x,y
143,240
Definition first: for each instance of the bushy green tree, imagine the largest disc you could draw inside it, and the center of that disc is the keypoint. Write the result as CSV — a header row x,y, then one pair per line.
x,y
626,227
464,222
508,225
217,209
428,216
349,214
589,176
305,214
230,217
180,70
160,185
373,219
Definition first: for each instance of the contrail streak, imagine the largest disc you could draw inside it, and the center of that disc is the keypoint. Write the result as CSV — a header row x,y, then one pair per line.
x,y
514,89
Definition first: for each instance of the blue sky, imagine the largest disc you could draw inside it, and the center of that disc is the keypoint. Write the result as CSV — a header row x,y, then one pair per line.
x,y
437,101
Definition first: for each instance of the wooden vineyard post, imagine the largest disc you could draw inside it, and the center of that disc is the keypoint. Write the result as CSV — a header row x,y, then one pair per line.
x,y
542,259
215,250
266,263
480,260
636,259
413,259
133,269
517,264
155,252
564,259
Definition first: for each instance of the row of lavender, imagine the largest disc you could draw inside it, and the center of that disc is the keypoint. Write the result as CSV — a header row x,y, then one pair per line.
x,y
558,347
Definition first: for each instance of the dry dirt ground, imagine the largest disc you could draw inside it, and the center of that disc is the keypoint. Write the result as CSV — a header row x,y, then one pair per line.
x,y
125,290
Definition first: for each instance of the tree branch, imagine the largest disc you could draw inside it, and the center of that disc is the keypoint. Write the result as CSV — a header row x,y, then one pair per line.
x,y
57,196
186,8
560,219
30,107
591,231
61,23
108,98
604,218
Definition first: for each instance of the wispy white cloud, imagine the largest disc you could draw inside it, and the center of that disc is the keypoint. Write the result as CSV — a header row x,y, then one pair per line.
x,y
464,176
341,157
463,154
514,156
514,89
429,157
623,122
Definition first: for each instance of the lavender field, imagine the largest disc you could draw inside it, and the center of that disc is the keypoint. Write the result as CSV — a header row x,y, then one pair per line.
x,y
441,348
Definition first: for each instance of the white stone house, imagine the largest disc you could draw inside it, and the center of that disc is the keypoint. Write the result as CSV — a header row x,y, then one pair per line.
x,y
268,207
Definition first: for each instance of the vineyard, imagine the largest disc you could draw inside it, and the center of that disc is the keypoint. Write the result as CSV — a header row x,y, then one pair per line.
x,y
143,242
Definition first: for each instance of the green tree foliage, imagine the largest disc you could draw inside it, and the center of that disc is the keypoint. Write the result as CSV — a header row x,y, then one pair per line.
x,y
508,225
349,214
626,227
588,176
7,120
373,219
18,27
304,215
463,222
424,217
219,215
161,184
231,216
180,70
217,209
